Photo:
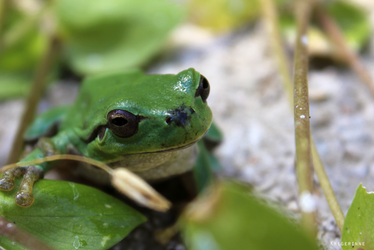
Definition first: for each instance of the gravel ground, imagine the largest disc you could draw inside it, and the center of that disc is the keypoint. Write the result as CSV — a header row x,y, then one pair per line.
x,y
250,107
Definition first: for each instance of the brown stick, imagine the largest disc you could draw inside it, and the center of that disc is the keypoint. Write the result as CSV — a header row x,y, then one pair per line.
x,y
33,98
271,21
348,55
270,13
16,234
301,114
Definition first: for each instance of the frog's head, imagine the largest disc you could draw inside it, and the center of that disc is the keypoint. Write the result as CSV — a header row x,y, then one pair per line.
x,y
150,113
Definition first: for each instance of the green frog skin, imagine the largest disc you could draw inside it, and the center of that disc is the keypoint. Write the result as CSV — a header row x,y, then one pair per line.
x,y
146,123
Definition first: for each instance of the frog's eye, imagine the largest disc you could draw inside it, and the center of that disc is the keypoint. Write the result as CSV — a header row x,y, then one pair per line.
x,y
203,89
122,123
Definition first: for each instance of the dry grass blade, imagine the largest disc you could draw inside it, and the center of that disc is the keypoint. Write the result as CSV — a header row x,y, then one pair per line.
x,y
14,233
350,56
138,190
327,188
271,21
122,179
301,115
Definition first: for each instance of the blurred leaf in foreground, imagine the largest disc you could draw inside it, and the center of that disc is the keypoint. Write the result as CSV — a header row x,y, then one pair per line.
x,y
359,222
14,85
18,58
229,217
225,15
112,35
352,20
67,215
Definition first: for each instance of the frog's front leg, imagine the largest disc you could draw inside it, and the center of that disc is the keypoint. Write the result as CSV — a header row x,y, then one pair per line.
x,y
24,197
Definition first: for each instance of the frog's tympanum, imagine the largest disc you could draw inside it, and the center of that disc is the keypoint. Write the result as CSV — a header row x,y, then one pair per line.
x,y
147,123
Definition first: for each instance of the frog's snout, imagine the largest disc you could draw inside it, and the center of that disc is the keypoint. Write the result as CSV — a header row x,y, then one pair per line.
x,y
180,116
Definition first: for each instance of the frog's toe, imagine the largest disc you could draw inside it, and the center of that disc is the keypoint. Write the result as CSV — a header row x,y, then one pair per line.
x,y
6,184
7,181
24,199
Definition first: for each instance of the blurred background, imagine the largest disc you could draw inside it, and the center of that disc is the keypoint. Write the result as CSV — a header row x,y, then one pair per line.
x,y
227,41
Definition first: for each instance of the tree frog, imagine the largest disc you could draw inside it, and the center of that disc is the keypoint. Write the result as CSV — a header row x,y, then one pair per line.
x,y
147,123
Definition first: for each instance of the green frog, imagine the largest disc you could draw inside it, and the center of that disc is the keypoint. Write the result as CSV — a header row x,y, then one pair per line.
x,y
149,124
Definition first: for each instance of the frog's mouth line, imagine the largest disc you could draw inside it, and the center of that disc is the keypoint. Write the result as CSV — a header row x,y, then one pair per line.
x,y
170,149
173,149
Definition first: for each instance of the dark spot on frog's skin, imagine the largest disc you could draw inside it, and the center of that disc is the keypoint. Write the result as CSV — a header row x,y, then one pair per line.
x,y
358,207
180,116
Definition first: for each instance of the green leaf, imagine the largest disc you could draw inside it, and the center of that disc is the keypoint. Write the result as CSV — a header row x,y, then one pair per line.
x,y
230,218
8,244
225,15
359,222
25,53
114,35
353,21
67,215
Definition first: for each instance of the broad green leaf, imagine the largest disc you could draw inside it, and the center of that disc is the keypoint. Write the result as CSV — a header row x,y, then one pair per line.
x,y
67,215
8,244
359,222
230,218
114,34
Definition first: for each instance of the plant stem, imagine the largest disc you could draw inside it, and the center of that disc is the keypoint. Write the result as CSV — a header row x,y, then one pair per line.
x,y
11,231
33,98
301,113
348,55
327,189
271,21
273,29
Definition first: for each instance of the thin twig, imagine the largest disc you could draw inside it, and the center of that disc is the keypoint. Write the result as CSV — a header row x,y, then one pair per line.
x,y
327,188
273,29
271,20
301,113
35,94
347,54
16,234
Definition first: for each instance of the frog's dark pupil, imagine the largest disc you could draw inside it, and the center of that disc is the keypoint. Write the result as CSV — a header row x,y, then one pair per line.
x,y
203,89
119,121
205,83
